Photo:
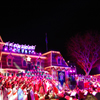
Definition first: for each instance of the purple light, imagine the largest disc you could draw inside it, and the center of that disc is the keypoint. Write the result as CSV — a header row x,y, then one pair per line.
x,y
5,49
22,46
39,53
32,47
26,47
29,47
15,45
99,68
71,71
34,52
13,50
10,48
10,44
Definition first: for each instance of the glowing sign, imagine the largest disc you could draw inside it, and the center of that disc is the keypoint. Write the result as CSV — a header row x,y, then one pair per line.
x,y
19,48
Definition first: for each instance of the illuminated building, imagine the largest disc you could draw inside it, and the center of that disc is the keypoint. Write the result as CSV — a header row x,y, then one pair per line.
x,y
18,58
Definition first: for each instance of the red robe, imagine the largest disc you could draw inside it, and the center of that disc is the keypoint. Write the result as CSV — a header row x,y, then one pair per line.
x,y
37,87
86,85
55,89
36,96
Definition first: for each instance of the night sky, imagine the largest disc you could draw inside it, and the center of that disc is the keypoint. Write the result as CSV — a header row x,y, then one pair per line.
x,y
27,23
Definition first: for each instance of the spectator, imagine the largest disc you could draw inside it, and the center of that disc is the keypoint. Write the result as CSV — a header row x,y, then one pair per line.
x,y
90,97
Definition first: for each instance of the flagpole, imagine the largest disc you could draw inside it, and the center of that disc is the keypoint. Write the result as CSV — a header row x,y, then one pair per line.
x,y
46,42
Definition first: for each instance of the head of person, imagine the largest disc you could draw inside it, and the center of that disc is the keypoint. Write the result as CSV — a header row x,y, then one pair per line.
x,y
90,97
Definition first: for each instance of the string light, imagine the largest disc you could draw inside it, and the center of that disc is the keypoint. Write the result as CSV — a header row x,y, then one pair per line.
x,y
19,48
28,58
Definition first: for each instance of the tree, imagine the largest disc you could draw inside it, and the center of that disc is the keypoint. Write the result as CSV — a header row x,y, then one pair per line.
x,y
85,49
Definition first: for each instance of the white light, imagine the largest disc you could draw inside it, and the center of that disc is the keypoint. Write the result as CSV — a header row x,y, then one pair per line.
x,y
32,47
6,43
10,44
28,58
22,46
18,46
15,45
73,93
94,93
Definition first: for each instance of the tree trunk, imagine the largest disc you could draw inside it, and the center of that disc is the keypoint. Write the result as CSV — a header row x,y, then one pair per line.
x,y
88,72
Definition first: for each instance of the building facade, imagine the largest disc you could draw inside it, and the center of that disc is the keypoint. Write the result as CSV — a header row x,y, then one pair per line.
x,y
17,58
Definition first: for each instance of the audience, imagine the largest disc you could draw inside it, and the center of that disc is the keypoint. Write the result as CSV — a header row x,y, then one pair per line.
x,y
40,88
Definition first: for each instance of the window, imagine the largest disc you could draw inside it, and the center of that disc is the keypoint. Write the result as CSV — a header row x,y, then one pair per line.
x,y
10,60
24,63
38,63
58,60
62,61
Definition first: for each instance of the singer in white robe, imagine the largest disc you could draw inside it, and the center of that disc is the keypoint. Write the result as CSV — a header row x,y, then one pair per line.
x,y
10,95
14,92
20,94
1,94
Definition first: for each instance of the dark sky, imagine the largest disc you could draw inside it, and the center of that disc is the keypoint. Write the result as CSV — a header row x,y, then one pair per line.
x,y
27,23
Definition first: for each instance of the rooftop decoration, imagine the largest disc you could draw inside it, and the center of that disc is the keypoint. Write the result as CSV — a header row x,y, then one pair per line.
x,y
25,49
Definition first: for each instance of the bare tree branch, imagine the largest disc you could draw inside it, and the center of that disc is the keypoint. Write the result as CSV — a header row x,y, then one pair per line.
x,y
86,49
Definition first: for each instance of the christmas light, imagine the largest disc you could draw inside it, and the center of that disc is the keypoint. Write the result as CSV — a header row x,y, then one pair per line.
x,y
28,58
16,54
71,71
25,50
5,48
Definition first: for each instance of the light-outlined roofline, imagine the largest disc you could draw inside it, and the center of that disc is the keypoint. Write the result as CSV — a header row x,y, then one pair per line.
x,y
51,52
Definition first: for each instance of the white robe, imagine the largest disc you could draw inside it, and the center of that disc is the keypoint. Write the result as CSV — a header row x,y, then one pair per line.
x,y
20,94
1,94
10,95
25,94
14,92
5,94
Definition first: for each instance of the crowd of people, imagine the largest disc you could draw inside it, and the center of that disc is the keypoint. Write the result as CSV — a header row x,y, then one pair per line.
x,y
34,87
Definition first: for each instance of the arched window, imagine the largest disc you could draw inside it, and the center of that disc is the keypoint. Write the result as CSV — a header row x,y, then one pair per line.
x,y
24,63
38,63
10,60
59,60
